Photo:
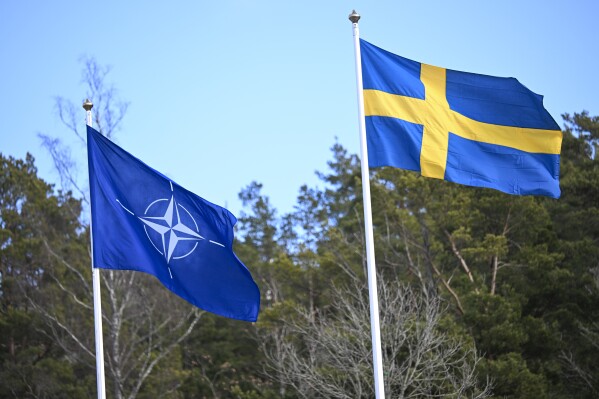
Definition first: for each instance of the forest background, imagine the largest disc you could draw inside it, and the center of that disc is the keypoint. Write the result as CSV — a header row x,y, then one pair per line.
x,y
482,294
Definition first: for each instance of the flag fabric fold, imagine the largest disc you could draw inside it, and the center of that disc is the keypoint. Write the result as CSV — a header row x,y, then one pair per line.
x,y
466,128
143,221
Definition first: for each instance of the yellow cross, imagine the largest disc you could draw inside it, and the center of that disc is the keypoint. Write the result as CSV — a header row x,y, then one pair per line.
x,y
437,119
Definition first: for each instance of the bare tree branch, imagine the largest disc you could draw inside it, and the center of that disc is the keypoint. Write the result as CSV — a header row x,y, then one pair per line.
x,y
420,361
457,253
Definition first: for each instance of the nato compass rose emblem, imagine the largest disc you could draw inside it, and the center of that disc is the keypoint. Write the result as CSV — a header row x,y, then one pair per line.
x,y
171,228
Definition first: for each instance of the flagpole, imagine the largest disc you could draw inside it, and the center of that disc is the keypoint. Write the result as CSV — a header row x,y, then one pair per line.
x,y
379,384
87,105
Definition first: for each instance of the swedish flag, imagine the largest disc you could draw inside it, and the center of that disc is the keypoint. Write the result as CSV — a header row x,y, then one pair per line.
x,y
466,128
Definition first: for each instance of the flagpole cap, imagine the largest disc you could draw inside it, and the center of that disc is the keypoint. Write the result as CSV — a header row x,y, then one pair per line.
x,y
87,105
354,17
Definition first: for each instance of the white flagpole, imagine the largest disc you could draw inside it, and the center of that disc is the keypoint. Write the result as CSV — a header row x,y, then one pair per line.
x,y
87,105
377,357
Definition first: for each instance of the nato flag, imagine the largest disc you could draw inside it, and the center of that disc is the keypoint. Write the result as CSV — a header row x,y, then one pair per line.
x,y
142,220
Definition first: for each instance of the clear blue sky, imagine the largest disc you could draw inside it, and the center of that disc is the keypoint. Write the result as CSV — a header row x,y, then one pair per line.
x,y
226,92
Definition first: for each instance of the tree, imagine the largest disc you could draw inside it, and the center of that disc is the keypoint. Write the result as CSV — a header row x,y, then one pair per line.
x,y
107,115
321,348
33,364
518,273
144,323
420,358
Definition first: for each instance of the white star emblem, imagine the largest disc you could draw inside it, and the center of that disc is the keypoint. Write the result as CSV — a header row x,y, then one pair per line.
x,y
171,229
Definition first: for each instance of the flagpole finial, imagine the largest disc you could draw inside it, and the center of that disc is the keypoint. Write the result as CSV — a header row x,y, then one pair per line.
x,y
354,17
87,105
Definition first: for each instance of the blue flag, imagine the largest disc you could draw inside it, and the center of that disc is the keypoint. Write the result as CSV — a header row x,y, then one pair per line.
x,y
466,128
142,220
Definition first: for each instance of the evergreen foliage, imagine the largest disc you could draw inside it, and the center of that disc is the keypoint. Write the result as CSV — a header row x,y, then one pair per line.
x,y
482,294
